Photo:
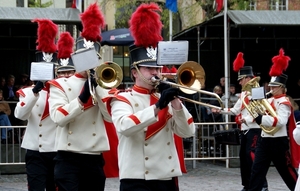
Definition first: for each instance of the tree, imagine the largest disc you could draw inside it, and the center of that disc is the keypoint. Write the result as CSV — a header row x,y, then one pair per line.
x,y
189,13
38,3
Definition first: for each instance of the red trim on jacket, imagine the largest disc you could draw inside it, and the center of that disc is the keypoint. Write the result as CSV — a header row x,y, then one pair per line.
x,y
190,120
111,167
46,109
134,119
64,112
20,92
55,84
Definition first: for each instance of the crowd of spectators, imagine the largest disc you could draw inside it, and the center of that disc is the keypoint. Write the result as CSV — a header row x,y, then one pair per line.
x,y
8,100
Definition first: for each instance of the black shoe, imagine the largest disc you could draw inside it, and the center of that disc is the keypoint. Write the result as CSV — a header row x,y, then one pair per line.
x,y
244,189
265,189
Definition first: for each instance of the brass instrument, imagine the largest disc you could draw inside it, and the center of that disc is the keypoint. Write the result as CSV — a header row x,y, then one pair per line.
x,y
190,76
256,107
108,75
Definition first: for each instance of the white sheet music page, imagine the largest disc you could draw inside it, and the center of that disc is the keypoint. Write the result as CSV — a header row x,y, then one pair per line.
x,y
41,71
172,52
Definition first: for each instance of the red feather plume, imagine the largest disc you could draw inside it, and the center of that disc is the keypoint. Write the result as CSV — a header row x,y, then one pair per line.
x,y
165,69
46,34
65,45
280,64
145,25
173,69
239,62
92,21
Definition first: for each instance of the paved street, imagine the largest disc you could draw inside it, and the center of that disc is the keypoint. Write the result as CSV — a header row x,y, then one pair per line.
x,y
206,177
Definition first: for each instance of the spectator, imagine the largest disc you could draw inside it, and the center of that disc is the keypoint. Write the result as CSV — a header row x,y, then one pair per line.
x,y
9,94
9,90
232,96
4,120
23,81
2,83
216,117
222,84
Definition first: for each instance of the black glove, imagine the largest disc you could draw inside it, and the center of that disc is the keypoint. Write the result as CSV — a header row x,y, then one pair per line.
x,y
163,86
85,94
258,119
38,87
166,96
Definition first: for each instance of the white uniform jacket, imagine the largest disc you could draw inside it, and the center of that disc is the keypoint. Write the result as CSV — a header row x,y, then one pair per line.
x,y
239,109
144,153
283,109
81,129
40,131
296,135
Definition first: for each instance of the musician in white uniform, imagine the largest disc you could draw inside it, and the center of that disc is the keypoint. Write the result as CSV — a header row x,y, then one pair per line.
x,y
146,123
39,137
250,131
296,135
275,147
81,136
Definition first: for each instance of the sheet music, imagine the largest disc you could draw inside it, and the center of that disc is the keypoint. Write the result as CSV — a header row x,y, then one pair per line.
x,y
41,71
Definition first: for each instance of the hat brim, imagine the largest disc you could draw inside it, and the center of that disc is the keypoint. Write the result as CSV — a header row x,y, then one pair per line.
x,y
150,66
274,84
241,77
64,68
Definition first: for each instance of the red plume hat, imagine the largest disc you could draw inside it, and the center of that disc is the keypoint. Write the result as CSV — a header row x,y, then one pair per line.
x,y
238,66
280,64
65,46
92,21
46,34
146,29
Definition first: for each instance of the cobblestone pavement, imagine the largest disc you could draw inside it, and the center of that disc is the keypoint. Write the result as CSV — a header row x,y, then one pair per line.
x,y
207,176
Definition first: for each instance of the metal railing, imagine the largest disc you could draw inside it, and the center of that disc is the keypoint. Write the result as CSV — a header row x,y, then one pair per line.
x,y
202,146
11,152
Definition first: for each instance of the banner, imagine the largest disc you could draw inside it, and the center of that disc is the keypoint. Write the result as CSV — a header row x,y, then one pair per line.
x,y
171,5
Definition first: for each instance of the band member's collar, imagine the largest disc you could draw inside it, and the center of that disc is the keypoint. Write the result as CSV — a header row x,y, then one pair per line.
x,y
78,75
279,96
142,90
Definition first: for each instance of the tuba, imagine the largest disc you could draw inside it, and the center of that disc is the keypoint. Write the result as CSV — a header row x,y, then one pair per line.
x,y
256,107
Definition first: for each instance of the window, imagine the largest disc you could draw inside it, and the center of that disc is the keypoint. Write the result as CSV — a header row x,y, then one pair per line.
x,y
252,5
20,3
278,5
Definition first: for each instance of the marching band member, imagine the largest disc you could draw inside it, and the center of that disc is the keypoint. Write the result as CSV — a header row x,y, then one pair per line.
x,y
296,135
81,134
276,147
250,131
39,137
147,122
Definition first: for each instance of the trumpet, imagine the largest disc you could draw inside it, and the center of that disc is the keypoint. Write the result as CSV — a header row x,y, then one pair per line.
x,y
107,75
190,75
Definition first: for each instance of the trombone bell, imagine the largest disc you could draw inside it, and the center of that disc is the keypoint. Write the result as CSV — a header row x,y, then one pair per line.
x,y
109,75
191,74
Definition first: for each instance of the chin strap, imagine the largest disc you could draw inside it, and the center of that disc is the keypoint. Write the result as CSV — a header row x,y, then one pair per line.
x,y
143,78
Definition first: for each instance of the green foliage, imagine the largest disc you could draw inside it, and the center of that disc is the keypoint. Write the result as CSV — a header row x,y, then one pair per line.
x,y
239,4
38,3
125,8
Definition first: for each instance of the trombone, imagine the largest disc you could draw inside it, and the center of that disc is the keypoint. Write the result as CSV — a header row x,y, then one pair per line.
x,y
107,75
190,76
